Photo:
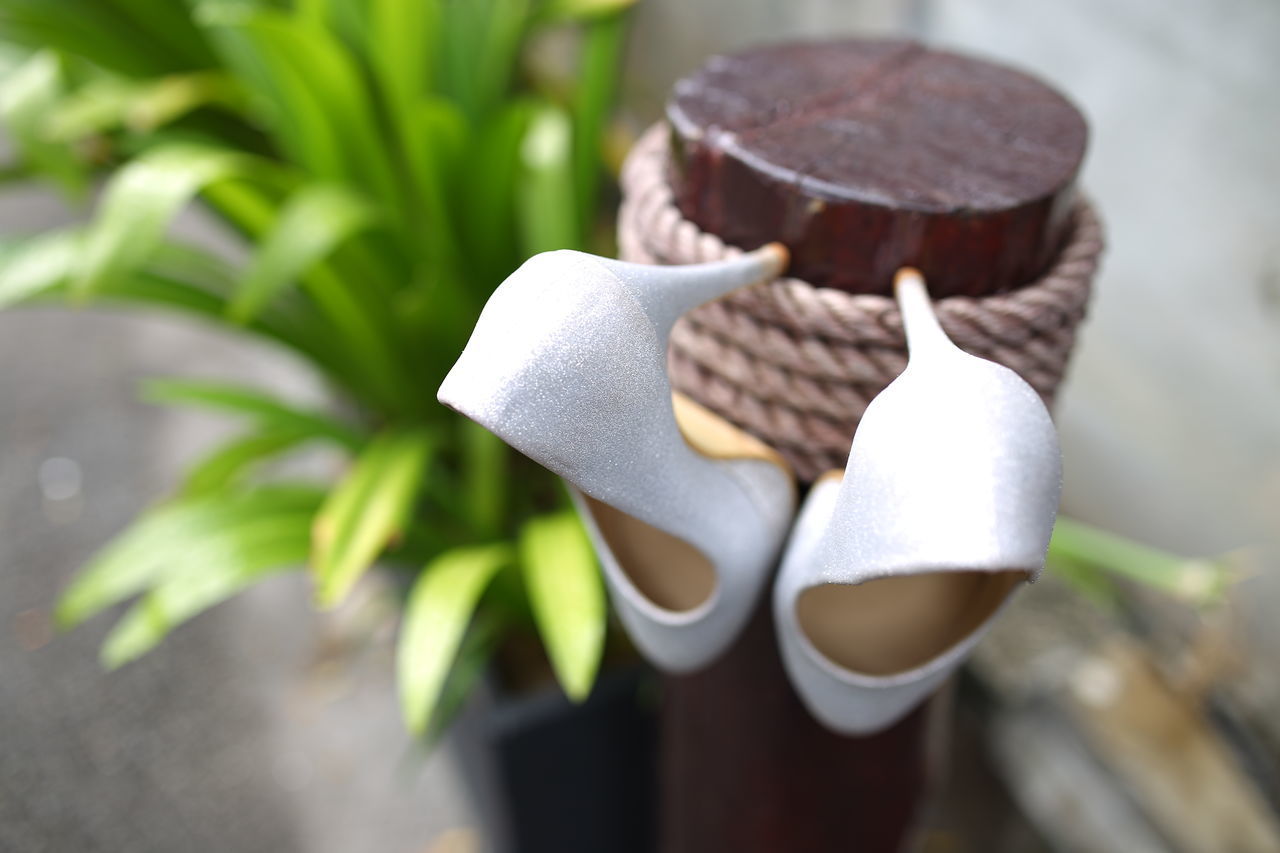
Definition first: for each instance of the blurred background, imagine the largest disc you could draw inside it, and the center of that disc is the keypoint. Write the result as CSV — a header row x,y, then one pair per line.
x,y
1142,725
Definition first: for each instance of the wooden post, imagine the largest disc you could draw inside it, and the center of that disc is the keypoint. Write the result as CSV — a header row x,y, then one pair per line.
x,y
862,157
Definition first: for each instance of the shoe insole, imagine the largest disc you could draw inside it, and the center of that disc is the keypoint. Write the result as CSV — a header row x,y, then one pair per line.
x,y
667,570
894,624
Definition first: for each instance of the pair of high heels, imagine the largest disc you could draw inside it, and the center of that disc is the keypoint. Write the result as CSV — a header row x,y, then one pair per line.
x,y
893,568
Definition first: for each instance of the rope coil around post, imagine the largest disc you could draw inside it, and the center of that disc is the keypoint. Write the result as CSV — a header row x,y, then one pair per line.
x,y
796,365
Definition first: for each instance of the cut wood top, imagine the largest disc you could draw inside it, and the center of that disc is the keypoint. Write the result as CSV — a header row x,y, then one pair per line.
x,y
865,156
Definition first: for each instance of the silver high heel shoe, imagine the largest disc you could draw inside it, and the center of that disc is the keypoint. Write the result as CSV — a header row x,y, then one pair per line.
x,y
567,364
894,573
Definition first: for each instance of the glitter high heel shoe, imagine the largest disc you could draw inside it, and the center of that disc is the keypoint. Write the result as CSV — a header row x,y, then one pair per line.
x,y
946,506
567,364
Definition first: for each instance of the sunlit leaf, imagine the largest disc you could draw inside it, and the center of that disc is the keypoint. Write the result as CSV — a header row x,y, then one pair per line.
x,y
261,407
547,211
206,572
139,204
138,557
472,662
435,620
27,96
314,221
36,265
567,596
366,511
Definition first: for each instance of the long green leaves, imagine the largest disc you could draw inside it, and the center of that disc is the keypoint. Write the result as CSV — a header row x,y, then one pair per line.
x,y
567,597
368,509
174,535
436,617
315,97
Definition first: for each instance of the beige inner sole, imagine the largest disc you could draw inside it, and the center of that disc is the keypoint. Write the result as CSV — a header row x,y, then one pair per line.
x,y
667,570
891,625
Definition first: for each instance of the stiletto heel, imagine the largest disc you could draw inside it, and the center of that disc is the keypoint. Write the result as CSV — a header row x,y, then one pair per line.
x,y
567,364
894,572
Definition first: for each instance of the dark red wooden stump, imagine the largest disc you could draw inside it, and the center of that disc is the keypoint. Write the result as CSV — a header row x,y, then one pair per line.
x,y
862,157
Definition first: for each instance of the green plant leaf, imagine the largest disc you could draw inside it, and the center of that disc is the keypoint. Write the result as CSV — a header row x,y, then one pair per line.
x,y
485,493
317,100
135,559
367,510
486,215
218,469
314,221
597,89
353,320
107,103
547,210
577,11
177,279
90,29
140,202
436,618
167,25
279,96
403,43
1085,578
206,572
27,96
567,596
36,265
480,51
263,408
469,667
1197,581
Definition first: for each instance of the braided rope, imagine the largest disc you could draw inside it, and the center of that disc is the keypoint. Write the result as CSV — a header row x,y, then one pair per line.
x,y
796,365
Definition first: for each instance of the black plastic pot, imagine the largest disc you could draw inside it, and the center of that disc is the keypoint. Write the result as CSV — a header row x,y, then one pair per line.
x,y
554,777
